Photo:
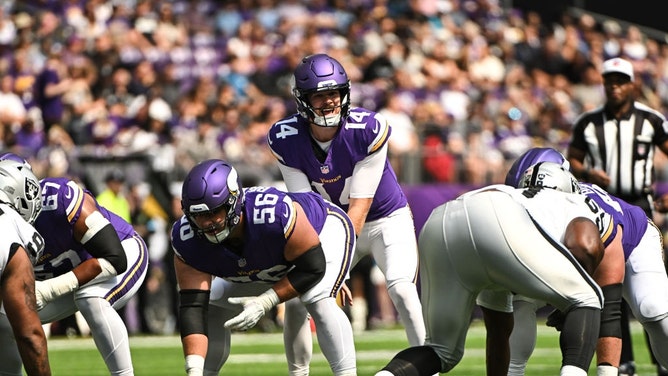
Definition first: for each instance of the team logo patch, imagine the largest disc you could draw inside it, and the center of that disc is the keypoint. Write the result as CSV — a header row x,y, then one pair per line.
x,y
324,169
242,262
642,148
32,190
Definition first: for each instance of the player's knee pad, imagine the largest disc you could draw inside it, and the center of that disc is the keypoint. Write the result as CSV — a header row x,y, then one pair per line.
x,y
402,292
612,311
652,308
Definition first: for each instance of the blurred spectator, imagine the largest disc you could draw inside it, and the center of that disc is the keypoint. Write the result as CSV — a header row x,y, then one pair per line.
x,y
113,197
404,140
8,29
12,110
52,83
154,297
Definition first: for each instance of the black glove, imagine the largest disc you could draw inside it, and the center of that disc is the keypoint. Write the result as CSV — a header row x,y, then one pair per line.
x,y
556,319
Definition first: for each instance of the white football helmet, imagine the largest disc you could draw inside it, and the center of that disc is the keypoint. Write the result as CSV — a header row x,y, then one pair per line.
x,y
20,189
550,175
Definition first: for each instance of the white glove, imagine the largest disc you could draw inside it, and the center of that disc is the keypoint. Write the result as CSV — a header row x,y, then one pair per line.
x,y
50,289
194,365
254,308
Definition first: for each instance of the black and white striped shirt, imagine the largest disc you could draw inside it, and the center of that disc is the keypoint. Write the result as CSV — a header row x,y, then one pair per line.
x,y
623,148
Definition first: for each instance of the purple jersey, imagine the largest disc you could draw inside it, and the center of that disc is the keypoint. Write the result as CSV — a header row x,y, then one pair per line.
x,y
269,220
632,218
363,133
62,201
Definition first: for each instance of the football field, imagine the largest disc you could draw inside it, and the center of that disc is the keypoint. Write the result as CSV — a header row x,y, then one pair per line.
x,y
261,354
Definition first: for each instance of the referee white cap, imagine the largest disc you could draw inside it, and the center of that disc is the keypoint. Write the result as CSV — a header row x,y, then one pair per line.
x,y
618,65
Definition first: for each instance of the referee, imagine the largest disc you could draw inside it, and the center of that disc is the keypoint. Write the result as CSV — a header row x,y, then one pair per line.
x,y
613,147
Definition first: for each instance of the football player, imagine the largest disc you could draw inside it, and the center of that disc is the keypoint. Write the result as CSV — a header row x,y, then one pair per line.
x,y
340,152
240,252
93,262
537,242
22,338
643,248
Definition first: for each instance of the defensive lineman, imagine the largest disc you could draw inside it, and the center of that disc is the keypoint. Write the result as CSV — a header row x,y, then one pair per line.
x,y
645,280
536,242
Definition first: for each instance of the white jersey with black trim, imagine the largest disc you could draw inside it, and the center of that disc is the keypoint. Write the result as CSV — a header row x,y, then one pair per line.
x,y
16,231
555,210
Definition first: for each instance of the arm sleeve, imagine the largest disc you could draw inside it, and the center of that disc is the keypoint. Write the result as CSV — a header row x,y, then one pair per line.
x,y
295,180
367,174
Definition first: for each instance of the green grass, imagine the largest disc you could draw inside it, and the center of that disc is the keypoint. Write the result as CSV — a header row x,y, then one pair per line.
x,y
262,354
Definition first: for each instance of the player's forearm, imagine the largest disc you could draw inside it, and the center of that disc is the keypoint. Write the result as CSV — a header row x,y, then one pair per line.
x,y
358,211
31,343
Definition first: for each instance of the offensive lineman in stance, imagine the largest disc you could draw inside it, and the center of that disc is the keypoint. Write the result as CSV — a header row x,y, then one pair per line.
x,y
93,262
20,247
341,153
536,242
645,279
262,246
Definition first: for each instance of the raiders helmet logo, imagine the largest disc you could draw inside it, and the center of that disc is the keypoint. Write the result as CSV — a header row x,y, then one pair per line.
x,y
31,189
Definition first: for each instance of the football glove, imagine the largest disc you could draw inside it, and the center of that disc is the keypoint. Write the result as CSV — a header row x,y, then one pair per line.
x,y
254,308
556,319
48,290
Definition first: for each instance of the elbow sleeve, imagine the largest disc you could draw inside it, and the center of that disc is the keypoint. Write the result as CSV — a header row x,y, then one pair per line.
x,y
106,244
309,268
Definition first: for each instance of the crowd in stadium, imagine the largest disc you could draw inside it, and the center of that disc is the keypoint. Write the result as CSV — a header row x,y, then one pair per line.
x,y
467,86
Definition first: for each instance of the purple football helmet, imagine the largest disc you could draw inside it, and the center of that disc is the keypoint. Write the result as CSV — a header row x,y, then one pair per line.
x,y
209,186
14,157
530,158
315,73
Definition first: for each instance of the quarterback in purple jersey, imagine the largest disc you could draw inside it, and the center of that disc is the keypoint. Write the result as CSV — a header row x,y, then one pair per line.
x,y
93,262
645,278
20,247
340,152
262,246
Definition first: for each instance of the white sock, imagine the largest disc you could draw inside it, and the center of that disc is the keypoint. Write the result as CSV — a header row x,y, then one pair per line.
x,y
572,371
607,371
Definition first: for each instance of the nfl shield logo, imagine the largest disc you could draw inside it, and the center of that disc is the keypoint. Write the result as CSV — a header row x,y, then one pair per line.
x,y
324,169
642,148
